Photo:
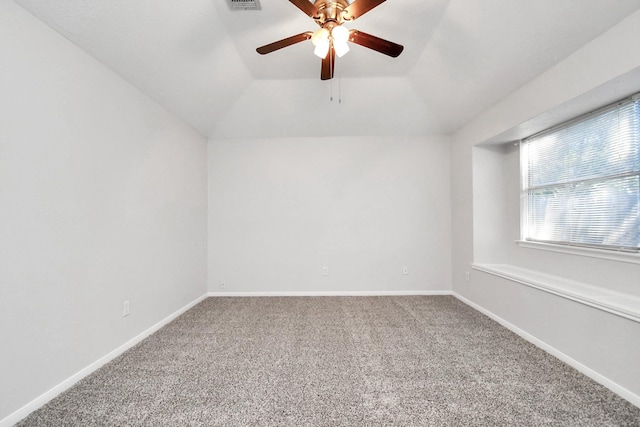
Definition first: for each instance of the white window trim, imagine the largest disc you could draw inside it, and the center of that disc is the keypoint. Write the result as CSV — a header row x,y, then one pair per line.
x,y
630,257
620,304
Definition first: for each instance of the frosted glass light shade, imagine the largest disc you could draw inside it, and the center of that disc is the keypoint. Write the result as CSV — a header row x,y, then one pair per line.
x,y
320,36
322,48
320,40
341,48
340,35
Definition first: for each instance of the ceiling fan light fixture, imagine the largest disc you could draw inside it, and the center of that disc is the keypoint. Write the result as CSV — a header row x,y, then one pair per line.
x,y
320,37
332,38
340,34
341,48
320,40
322,49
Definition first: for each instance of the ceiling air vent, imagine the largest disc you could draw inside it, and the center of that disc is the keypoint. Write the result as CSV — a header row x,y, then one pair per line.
x,y
243,4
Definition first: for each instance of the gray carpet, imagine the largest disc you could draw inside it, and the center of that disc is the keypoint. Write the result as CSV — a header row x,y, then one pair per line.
x,y
335,361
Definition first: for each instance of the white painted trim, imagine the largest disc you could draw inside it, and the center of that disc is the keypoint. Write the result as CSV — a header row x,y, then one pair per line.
x,y
43,399
630,257
327,293
40,401
597,377
623,305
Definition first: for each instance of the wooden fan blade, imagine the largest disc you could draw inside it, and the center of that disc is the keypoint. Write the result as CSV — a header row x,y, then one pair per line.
x,y
284,42
359,8
306,6
328,65
376,43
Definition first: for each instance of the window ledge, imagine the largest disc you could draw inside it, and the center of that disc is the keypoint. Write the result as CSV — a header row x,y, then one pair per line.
x,y
633,258
620,304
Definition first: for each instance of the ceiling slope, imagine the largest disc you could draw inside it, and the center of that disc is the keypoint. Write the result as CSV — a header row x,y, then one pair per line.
x,y
198,60
484,50
182,57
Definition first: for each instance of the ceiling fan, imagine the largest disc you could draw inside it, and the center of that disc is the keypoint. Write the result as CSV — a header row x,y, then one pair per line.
x,y
331,39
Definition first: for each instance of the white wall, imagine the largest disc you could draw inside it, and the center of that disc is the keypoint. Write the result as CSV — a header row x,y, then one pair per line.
x,y
281,209
102,199
490,204
485,194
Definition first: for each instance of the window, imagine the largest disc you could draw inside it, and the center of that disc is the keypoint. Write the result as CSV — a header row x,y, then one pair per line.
x,y
581,180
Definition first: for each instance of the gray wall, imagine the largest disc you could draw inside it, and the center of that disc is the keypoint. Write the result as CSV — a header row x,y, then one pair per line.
x,y
485,214
281,209
102,199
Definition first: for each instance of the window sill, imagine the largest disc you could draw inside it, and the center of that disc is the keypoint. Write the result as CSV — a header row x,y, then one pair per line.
x,y
633,258
620,304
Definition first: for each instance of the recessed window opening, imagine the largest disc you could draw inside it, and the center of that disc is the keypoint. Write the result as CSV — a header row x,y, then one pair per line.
x,y
581,180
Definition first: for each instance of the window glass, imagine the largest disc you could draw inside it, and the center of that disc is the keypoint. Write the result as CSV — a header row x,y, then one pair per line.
x,y
581,181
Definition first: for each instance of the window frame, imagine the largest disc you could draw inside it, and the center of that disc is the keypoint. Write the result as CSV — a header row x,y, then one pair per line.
x,y
618,253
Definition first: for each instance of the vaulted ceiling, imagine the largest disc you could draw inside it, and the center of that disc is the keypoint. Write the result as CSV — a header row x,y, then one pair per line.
x,y
198,60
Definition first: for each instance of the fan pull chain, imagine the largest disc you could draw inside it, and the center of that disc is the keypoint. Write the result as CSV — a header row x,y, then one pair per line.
x,y
338,75
335,69
331,91
339,69
331,73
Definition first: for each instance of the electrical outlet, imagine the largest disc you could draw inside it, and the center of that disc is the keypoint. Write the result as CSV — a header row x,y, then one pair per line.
x,y
222,284
405,270
466,276
125,308
325,271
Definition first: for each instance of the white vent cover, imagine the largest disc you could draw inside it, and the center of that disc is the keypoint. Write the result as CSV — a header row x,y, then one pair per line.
x,y
243,4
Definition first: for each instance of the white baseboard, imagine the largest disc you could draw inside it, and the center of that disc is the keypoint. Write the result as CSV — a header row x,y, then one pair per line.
x,y
69,382
43,399
327,293
597,377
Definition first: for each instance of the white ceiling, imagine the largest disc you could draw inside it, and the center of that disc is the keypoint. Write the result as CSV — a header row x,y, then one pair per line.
x,y
198,59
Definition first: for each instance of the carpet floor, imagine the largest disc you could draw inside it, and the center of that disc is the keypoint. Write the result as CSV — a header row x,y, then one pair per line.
x,y
329,361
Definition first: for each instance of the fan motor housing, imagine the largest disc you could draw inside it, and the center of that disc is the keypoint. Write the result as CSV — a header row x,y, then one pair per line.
x,y
330,11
